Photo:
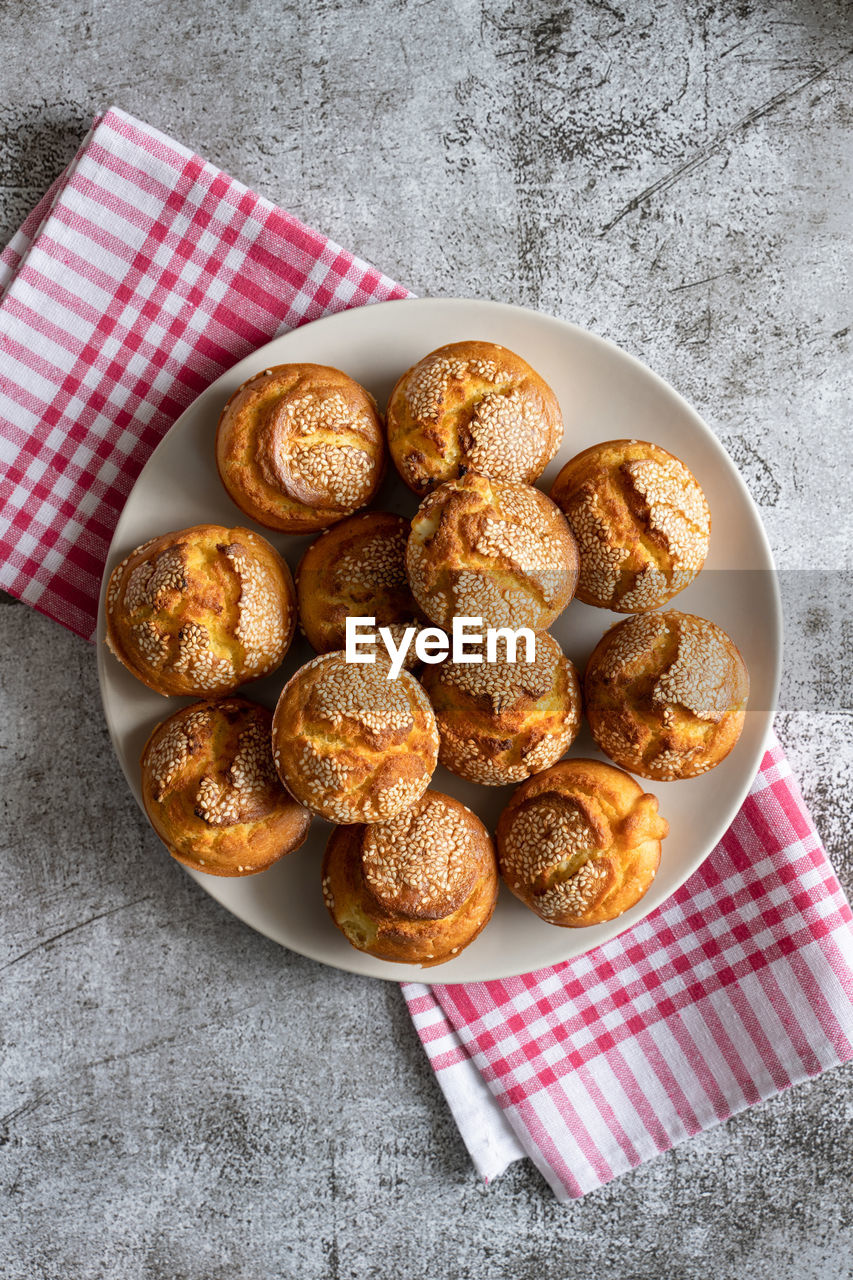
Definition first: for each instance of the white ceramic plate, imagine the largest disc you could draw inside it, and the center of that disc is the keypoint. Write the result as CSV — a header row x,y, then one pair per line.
x,y
604,394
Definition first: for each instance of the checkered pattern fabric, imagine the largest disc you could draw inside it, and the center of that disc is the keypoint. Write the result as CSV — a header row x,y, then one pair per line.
x,y
144,273
739,986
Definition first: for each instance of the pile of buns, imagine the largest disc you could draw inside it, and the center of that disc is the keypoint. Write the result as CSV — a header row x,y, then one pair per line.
x,y
410,874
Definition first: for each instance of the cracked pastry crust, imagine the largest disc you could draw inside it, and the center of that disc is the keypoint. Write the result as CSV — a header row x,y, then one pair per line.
x,y
201,610
416,889
501,722
665,694
641,522
300,446
352,745
356,569
580,843
472,406
493,550
211,791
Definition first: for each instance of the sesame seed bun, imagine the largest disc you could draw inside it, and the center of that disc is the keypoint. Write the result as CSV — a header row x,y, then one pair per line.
x,y
211,792
492,550
201,610
356,569
641,522
352,745
580,843
666,694
472,406
417,889
500,722
300,446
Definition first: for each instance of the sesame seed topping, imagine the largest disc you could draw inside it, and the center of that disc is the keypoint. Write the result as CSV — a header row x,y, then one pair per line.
x,y
550,848
171,748
352,744
428,382
509,434
491,549
260,626
663,690
321,450
423,852
642,523
702,677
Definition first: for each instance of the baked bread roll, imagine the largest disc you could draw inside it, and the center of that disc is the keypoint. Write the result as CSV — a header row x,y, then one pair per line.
x,y
201,610
300,446
211,792
580,843
665,694
472,406
416,889
356,569
352,745
486,548
499,722
641,522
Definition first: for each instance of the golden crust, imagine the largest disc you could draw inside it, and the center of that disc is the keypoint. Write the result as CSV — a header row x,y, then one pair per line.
x,y
201,610
472,406
501,722
300,446
666,694
641,521
356,569
487,548
352,745
416,889
580,843
211,792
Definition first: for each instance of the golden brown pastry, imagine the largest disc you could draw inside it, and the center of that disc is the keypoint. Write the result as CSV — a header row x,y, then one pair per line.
x,y
416,889
472,406
201,610
211,791
641,522
352,745
300,446
356,569
486,548
499,722
580,843
665,694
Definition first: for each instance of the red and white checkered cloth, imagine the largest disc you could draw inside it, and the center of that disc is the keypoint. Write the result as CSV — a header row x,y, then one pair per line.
x,y
141,276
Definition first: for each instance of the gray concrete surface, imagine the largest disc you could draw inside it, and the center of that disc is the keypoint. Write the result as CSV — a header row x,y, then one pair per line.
x,y
180,1097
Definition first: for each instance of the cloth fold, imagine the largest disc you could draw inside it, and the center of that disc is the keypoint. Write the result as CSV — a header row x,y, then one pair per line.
x,y
141,275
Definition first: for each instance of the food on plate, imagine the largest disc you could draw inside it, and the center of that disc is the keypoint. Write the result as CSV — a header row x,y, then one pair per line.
x,y
300,446
494,550
352,745
356,569
472,406
212,794
665,694
201,610
641,522
499,722
580,843
416,889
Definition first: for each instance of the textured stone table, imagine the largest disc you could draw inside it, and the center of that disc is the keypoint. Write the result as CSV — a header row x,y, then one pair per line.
x,y
183,1099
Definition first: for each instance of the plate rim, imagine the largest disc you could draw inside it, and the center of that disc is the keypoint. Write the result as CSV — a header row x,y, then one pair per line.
x,y
612,929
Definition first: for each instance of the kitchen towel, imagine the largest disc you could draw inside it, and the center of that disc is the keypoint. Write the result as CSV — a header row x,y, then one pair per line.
x,y
142,275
